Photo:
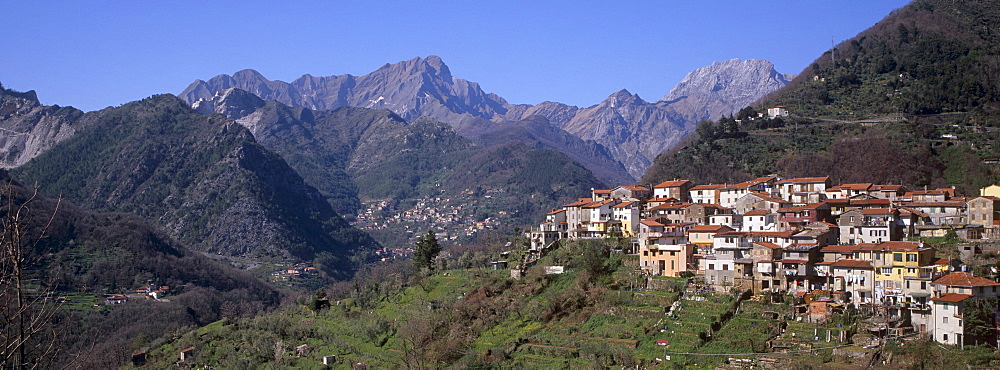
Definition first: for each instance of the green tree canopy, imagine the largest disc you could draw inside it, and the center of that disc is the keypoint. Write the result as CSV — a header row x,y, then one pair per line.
x,y
427,248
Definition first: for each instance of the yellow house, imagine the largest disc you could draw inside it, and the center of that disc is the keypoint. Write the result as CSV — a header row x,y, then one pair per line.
x,y
992,190
896,260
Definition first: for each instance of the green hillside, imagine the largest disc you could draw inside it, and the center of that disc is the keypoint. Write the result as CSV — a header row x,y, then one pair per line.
x,y
84,256
931,56
203,179
596,314
912,100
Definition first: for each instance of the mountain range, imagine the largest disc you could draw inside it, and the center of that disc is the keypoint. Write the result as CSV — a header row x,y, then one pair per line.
x,y
352,154
203,179
629,129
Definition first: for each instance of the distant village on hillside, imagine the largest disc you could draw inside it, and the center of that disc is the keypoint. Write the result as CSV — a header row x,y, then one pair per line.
x,y
830,246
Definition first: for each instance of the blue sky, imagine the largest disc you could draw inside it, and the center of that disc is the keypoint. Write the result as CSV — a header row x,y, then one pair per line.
x,y
91,54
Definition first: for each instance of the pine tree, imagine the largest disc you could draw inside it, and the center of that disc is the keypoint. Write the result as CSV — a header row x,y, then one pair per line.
x,y
427,249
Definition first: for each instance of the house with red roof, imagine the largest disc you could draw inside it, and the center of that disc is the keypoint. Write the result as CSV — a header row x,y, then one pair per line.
x,y
952,294
677,189
870,225
795,218
630,193
803,190
758,201
663,247
766,266
705,193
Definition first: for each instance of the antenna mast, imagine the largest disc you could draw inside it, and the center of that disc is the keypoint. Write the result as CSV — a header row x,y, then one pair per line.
x,y
833,50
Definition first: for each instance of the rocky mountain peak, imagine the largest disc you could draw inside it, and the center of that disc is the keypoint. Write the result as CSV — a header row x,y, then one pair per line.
x,y
738,82
623,98
232,102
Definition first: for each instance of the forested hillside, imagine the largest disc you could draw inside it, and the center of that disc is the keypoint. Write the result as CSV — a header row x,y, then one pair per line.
x,y
912,100
81,256
203,179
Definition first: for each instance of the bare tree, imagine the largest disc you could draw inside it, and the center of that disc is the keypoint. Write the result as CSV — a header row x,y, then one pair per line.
x,y
28,335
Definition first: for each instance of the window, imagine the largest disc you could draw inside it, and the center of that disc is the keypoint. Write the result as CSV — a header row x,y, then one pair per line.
x,y
673,253
645,253
711,266
945,338
911,257
944,319
923,285
725,267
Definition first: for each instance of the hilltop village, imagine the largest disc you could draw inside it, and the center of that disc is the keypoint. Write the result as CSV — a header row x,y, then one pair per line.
x,y
828,246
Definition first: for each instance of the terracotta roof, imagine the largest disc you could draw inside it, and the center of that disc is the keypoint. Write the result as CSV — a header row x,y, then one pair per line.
x,y
952,297
710,228
964,279
768,197
708,187
837,248
931,192
859,186
671,205
935,204
805,180
852,264
599,203
943,261
623,204
904,210
873,201
730,233
878,211
780,234
555,211
756,213
706,205
990,197
634,188
672,184
824,263
886,187
579,203
650,223
602,191
768,245
893,246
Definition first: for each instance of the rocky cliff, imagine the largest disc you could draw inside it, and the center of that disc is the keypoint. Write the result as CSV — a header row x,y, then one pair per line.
x,y
632,130
27,128
723,88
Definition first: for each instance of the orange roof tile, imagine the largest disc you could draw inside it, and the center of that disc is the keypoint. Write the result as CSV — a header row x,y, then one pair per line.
x,y
873,201
964,279
780,234
710,228
837,248
650,223
708,187
852,264
756,213
878,211
952,297
623,204
768,245
672,184
858,186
